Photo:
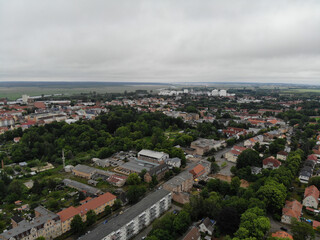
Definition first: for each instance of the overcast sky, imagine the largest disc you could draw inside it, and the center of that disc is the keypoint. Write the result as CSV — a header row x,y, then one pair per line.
x,y
160,40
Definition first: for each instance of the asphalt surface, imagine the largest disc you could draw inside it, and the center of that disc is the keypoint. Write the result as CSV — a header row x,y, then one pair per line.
x,y
148,229
220,160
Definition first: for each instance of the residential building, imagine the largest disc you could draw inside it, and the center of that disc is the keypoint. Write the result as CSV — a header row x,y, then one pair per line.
x,y
202,145
282,155
271,162
173,162
234,153
207,226
45,224
134,219
152,156
193,234
97,204
178,185
311,196
158,171
292,210
249,143
305,174
197,171
281,235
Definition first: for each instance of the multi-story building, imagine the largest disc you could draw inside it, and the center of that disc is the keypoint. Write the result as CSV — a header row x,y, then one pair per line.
x,y
158,171
45,224
97,204
202,145
133,220
311,196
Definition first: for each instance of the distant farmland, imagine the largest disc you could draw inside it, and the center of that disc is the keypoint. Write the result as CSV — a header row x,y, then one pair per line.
x,y
12,91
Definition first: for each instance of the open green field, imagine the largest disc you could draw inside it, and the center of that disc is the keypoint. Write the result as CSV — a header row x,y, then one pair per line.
x,y
13,93
302,90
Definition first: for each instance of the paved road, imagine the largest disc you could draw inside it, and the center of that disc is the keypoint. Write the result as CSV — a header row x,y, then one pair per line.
x,y
148,229
275,226
220,160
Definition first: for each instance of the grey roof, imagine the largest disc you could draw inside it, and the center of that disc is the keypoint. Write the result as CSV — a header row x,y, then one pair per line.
x,y
158,169
25,226
179,179
81,186
138,165
118,222
84,169
152,154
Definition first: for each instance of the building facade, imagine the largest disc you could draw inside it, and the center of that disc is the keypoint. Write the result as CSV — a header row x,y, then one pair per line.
x,y
132,221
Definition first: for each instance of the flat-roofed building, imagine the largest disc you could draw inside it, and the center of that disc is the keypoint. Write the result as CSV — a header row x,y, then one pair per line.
x,y
81,187
152,156
134,219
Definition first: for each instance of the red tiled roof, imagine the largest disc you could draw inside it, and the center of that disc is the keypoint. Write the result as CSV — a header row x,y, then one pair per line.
x,y
39,105
283,153
197,169
238,148
282,234
312,191
193,234
315,224
275,162
312,157
292,209
83,209
96,202
68,213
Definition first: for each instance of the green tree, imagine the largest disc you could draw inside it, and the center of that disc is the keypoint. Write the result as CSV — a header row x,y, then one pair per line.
x,y
134,193
91,217
117,204
133,179
302,231
107,210
235,185
181,222
77,225
273,194
248,157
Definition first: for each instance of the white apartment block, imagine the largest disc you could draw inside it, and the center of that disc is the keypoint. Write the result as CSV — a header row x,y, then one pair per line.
x,y
133,220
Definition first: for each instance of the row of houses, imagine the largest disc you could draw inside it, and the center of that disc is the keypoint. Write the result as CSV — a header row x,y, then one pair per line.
x,y
51,225
293,209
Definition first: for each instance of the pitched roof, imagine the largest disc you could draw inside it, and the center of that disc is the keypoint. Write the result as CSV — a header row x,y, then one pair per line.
x,y
282,234
197,169
312,191
292,209
284,153
272,160
193,234
315,224
95,203
312,157
68,213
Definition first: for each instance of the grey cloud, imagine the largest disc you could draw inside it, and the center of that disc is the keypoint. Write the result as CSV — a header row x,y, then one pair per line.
x,y
167,40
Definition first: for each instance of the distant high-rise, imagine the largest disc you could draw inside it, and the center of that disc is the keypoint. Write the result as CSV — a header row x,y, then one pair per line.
x,y
215,92
222,93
